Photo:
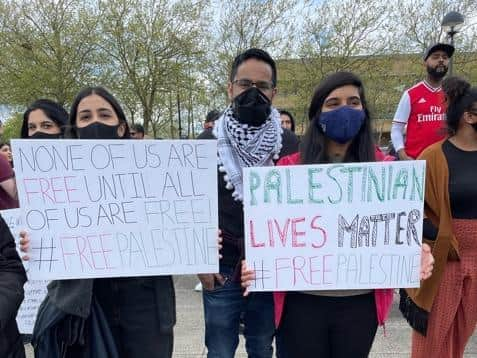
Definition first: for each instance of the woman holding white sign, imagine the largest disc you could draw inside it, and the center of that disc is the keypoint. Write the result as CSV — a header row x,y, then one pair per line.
x,y
337,323
107,317
443,310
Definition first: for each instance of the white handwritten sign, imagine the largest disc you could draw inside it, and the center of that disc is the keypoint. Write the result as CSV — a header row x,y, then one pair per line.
x,y
35,290
35,293
118,207
336,226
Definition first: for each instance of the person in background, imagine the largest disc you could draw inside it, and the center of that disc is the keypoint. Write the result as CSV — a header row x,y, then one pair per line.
x,y
137,131
12,279
6,152
314,323
105,317
44,119
209,122
422,108
287,120
443,311
8,186
288,123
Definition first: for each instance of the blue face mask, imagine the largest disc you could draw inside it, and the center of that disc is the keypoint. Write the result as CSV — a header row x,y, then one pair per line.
x,y
341,125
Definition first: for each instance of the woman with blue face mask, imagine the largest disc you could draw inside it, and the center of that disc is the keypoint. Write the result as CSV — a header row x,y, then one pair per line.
x,y
335,323
129,317
339,131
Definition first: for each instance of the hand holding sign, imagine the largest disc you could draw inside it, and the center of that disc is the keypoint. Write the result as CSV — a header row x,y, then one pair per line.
x,y
247,277
24,245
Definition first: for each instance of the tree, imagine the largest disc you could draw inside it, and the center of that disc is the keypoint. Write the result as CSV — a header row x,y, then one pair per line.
x,y
380,41
242,24
337,35
418,23
12,127
149,44
48,49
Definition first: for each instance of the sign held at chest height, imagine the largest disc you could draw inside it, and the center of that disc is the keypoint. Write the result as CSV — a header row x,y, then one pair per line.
x,y
118,208
334,226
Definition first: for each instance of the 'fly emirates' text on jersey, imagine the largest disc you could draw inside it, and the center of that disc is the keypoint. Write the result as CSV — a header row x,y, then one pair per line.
x,y
423,109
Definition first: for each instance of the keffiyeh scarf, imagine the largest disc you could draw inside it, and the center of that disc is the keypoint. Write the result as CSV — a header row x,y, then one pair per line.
x,y
240,145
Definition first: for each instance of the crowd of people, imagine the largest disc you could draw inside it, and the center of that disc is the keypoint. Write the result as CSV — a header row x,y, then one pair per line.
x,y
135,317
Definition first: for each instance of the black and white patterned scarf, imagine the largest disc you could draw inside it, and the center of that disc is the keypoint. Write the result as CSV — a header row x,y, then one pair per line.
x,y
240,145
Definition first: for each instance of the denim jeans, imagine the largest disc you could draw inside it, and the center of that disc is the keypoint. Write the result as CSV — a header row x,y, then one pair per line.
x,y
223,308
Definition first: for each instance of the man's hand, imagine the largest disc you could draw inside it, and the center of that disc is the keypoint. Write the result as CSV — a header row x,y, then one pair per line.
x,y
208,280
247,277
403,156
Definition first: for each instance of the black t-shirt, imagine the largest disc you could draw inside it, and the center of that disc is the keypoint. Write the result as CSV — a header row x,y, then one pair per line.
x,y
462,186
462,181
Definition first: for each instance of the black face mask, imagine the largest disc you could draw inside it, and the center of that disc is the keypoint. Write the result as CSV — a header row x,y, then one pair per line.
x,y
252,107
43,135
437,72
98,130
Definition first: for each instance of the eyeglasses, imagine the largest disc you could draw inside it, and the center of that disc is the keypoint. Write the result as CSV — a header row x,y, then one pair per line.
x,y
245,83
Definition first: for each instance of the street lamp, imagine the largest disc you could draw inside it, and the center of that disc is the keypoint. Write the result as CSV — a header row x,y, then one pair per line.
x,y
451,25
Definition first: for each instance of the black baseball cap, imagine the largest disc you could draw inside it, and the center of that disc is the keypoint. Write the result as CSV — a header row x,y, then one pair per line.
x,y
448,49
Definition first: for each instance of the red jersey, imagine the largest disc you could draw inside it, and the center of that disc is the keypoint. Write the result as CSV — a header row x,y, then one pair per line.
x,y
423,109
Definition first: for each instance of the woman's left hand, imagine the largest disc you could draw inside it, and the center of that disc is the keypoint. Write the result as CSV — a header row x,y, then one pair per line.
x,y
427,262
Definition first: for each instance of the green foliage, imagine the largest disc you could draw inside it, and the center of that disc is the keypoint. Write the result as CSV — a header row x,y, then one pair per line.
x,y
48,49
12,127
168,61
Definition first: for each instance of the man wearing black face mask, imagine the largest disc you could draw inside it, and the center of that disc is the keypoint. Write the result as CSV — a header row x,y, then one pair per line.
x,y
249,134
422,108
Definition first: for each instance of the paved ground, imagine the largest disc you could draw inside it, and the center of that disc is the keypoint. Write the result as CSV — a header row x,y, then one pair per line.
x,y
189,330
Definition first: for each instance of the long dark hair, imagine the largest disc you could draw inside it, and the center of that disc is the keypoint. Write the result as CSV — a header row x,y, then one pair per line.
x,y
51,109
108,97
312,146
460,97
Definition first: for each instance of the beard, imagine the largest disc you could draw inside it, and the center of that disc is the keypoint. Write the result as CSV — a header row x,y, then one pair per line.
x,y
437,72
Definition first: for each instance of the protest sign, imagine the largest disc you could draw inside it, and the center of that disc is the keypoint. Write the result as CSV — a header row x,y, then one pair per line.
x,y
334,226
115,208
35,290
35,293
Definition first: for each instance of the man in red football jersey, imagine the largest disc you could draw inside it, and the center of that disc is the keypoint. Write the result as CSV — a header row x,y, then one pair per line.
x,y
422,107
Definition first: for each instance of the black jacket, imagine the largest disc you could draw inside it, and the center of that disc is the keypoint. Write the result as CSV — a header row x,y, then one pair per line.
x,y
12,279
